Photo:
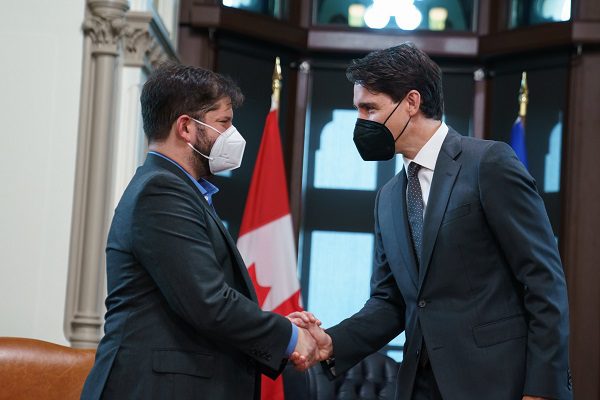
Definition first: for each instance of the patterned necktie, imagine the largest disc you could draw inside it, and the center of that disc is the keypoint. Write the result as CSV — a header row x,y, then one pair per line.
x,y
414,198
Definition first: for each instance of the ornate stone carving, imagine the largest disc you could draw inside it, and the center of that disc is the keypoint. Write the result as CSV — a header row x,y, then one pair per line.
x,y
143,44
157,55
104,32
137,41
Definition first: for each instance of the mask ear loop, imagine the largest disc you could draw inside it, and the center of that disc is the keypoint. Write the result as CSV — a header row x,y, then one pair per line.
x,y
195,149
392,113
208,126
409,118
403,129
198,151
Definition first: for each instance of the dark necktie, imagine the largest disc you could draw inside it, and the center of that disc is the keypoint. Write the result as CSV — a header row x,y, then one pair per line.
x,y
414,198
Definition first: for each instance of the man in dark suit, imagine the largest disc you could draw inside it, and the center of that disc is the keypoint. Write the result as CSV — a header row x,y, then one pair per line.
x,y
182,318
466,261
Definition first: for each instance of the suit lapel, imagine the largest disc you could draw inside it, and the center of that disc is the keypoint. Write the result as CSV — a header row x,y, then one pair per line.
x,y
234,251
404,240
446,171
154,160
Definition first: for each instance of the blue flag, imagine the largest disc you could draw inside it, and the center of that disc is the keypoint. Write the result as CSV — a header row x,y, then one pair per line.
x,y
517,140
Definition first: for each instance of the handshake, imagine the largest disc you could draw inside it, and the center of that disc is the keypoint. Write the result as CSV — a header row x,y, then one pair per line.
x,y
314,345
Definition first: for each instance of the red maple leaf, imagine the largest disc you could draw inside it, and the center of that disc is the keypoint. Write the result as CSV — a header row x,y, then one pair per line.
x,y
261,291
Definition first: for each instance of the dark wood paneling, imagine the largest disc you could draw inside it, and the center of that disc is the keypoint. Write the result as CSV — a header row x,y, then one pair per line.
x,y
481,106
484,20
536,38
539,37
581,222
256,26
205,16
263,27
296,126
185,8
498,18
586,32
434,44
196,47
301,13
586,10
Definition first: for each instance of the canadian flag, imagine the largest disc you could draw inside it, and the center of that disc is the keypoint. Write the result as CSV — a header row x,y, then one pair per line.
x,y
266,239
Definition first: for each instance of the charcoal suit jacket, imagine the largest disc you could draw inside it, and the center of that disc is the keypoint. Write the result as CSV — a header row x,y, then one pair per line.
x,y
182,319
489,300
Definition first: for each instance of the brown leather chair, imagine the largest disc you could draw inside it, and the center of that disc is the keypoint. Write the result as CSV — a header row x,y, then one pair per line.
x,y
33,369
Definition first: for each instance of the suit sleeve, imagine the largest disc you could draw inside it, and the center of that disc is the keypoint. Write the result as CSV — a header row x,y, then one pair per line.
x,y
380,320
171,242
518,219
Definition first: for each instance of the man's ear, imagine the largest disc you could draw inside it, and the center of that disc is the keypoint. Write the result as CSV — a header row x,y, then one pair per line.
x,y
184,128
413,98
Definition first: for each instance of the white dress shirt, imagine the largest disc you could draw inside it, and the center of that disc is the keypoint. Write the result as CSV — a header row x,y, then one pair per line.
x,y
427,158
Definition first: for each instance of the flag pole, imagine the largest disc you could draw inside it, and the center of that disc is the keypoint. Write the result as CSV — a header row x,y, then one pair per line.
x,y
277,78
517,133
523,97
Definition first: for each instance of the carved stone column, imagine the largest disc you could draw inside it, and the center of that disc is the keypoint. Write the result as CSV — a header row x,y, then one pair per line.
x,y
144,47
143,43
103,28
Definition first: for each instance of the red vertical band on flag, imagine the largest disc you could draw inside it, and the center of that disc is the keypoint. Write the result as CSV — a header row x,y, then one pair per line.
x,y
268,195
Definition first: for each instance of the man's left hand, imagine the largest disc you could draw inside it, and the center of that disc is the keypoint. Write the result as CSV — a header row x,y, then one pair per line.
x,y
534,398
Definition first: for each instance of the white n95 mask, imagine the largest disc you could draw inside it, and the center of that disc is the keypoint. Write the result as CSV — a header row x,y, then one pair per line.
x,y
227,151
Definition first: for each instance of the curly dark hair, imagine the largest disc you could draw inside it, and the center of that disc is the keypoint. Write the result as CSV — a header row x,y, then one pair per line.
x,y
174,89
396,71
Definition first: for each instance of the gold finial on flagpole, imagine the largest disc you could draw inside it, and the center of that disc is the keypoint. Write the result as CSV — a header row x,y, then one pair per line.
x,y
523,96
276,84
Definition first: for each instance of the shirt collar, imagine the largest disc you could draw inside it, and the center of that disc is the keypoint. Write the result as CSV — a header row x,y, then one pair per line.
x,y
428,155
209,188
206,188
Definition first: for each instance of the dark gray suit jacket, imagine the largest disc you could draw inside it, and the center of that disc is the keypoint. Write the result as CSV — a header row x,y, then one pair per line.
x,y
182,320
490,299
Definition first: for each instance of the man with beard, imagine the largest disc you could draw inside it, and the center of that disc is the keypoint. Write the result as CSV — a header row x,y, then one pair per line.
x,y
182,318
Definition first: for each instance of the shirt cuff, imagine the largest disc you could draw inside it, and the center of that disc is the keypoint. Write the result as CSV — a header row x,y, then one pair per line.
x,y
293,340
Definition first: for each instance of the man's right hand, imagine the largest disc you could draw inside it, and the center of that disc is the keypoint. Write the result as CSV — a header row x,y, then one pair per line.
x,y
306,352
307,322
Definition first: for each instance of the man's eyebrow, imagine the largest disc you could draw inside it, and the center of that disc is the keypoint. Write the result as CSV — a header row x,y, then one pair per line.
x,y
365,105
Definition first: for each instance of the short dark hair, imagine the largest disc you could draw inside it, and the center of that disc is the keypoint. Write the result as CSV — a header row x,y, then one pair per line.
x,y
398,70
174,89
